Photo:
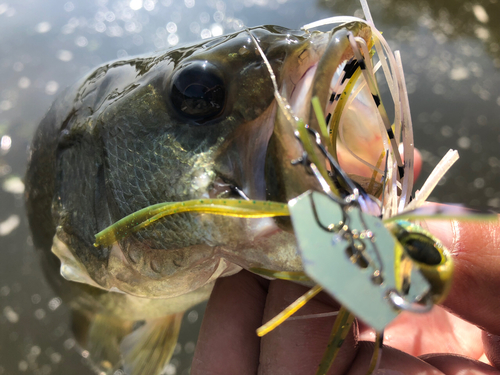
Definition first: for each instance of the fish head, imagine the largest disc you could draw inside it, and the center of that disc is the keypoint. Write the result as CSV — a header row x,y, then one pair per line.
x,y
195,122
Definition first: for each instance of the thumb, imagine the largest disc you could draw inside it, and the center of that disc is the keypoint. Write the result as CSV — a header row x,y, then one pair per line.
x,y
475,249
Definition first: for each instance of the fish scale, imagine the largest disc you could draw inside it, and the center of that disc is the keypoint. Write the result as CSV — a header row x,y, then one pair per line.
x,y
128,168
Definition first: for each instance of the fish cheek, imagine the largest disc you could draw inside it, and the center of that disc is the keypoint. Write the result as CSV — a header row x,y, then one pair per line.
x,y
75,202
150,157
252,91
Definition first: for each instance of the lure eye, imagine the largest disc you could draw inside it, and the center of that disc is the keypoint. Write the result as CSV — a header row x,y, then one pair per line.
x,y
197,92
421,248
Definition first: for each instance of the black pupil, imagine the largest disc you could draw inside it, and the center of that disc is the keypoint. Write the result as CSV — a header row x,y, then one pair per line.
x,y
421,248
198,92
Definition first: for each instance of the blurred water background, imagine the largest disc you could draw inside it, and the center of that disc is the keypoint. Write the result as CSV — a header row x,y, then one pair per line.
x,y
451,55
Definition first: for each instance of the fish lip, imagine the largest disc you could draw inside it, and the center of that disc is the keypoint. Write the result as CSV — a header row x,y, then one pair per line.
x,y
302,77
302,88
283,180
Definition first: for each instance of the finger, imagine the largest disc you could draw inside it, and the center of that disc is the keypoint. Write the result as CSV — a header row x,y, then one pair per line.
x,y
419,334
475,248
491,345
417,164
397,362
297,346
228,343
393,362
457,365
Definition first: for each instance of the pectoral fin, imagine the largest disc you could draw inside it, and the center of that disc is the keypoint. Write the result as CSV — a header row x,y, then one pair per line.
x,y
148,349
101,335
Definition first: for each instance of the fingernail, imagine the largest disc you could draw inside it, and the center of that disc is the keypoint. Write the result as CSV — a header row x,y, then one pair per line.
x,y
444,230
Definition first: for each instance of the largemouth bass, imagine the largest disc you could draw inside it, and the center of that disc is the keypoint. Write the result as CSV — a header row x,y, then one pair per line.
x,y
192,123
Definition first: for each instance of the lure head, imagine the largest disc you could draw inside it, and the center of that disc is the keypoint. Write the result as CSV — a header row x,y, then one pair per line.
x,y
427,254
190,123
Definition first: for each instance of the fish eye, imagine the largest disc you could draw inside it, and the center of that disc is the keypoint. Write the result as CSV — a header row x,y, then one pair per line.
x,y
197,91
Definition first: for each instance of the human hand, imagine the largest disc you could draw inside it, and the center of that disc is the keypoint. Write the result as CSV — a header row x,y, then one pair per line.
x,y
228,343
239,304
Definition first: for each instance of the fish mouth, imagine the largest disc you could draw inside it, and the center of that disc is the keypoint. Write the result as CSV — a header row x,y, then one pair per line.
x,y
316,72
